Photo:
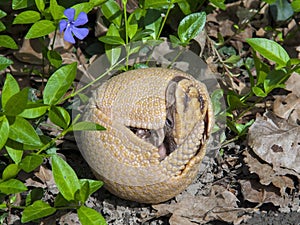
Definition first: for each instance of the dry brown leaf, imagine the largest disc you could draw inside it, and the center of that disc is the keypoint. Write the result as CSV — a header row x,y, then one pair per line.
x,y
287,107
258,193
276,142
46,176
293,84
220,205
267,175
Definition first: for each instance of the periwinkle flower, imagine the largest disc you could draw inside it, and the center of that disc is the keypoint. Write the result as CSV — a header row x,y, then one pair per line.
x,y
70,25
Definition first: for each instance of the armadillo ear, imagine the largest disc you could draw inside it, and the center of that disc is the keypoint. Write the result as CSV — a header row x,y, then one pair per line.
x,y
170,94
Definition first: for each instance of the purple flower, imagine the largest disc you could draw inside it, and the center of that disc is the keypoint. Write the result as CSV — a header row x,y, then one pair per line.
x,y
70,26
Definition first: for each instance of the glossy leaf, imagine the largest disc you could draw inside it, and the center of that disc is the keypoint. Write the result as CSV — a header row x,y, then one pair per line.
x,y
27,17
88,216
59,116
21,4
5,62
113,52
259,92
112,40
156,4
218,3
65,178
82,7
40,29
7,42
4,129
59,83
15,155
86,125
10,171
132,25
97,2
2,14
153,21
12,186
31,162
112,11
10,88
37,210
22,131
190,26
54,58
16,103
94,185
40,4
270,50
34,110
56,10
296,5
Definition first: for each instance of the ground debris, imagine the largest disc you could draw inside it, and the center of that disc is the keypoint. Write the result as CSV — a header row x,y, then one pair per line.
x,y
220,204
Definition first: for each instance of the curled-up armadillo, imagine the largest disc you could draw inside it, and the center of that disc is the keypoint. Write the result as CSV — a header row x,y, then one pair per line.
x,y
157,124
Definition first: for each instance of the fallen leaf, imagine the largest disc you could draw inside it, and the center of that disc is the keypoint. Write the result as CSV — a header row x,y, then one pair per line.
x,y
267,175
221,205
276,142
255,192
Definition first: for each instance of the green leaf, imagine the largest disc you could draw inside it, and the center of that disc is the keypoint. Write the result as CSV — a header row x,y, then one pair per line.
x,y
37,210
54,58
59,116
112,40
112,52
16,103
10,88
233,59
2,14
21,4
142,34
281,10
296,5
97,2
10,171
94,185
86,125
218,3
65,178
15,155
59,83
190,26
132,25
156,4
34,195
2,26
112,11
153,21
40,29
88,216
83,193
27,17
40,4
5,62
7,42
31,162
82,7
4,129
185,7
12,186
34,110
259,92
275,79
270,50
21,131
56,10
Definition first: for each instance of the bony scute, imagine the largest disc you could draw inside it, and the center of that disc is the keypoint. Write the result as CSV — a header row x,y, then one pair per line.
x,y
171,136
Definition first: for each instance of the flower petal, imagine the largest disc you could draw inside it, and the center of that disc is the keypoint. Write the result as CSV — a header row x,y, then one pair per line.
x,y
68,35
70,13
62,25
81,19
80,33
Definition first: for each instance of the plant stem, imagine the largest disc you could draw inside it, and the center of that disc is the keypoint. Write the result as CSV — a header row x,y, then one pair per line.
x,y
164,21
